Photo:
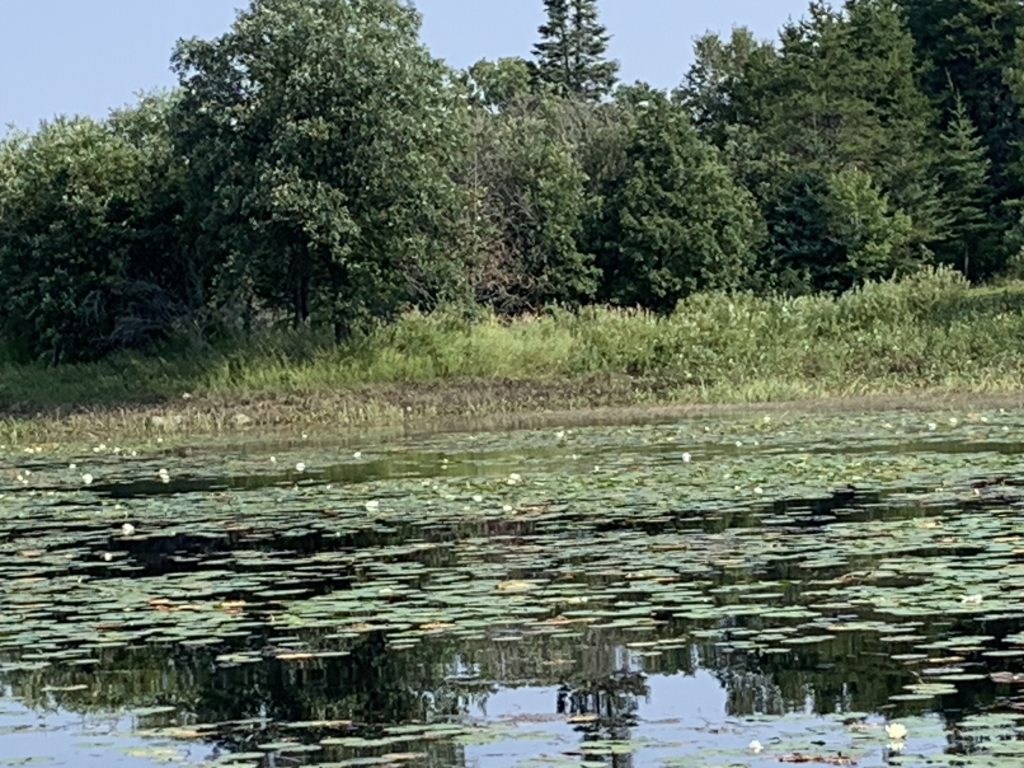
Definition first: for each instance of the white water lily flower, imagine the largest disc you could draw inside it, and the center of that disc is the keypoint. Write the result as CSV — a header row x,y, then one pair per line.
x,y
687,458
357,455
372,505
756,747
87,479
128,529
932,426
896,731
300,467
560,435
164,475
478,498
758,490
953,421
514,479
739,443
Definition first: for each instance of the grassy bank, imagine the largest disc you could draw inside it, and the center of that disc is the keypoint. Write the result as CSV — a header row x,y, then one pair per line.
x,y
929,333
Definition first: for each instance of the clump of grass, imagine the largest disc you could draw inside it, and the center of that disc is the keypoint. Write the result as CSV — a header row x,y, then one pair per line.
x,y
929,331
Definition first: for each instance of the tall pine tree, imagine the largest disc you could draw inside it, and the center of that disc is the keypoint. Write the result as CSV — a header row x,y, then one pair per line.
x,y
970,44
847,95
571,55
964,174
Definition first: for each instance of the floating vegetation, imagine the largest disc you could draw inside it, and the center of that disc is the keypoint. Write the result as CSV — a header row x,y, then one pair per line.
x,y
844,590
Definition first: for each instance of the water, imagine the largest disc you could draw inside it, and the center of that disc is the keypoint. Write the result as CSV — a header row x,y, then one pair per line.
x,y
522,599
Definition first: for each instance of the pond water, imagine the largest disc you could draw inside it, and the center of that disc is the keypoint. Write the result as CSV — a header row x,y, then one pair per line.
x,y
804,589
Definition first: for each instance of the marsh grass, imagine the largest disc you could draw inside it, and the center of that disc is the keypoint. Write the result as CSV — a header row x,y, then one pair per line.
x,y
931,332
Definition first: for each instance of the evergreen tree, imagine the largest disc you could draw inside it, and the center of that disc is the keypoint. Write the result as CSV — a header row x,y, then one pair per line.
x,y
845,94
964,174
970,44
800,257
571,55
831,232
876,240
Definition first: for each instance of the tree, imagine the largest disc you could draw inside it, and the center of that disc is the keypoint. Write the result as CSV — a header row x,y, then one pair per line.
x,y
848,96
675,222
498,85
531,200
875,240
964,174
967,47
571,55
727,83
73,238
831,232
165,267
321,138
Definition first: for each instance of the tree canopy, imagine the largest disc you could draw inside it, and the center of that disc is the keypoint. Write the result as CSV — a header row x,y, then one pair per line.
x,y
318,167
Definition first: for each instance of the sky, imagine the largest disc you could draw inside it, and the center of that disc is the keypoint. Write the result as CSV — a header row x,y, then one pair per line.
x,y
85,57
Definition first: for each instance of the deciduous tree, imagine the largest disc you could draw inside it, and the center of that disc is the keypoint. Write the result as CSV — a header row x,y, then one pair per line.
x,y
322,137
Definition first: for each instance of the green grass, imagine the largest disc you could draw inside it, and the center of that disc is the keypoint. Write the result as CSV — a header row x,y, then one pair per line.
x,y
931,331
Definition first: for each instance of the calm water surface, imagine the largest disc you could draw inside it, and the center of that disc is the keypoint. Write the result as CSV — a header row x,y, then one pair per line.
x,y
743,592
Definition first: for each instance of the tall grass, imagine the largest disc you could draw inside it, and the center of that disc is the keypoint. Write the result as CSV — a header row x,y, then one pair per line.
x,y
931,330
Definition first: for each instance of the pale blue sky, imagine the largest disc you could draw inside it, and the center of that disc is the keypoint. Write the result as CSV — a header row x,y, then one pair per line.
x,y
86,56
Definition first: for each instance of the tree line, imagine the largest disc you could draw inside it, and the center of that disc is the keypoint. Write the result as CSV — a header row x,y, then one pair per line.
x,y
317,166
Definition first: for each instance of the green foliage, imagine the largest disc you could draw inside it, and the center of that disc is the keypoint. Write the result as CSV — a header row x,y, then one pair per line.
x,y
80,277
830,232
500,84
531,198
964,173
675,221
846,95
571,58
967,48
322,139
877,241
927,330
318,168
726,84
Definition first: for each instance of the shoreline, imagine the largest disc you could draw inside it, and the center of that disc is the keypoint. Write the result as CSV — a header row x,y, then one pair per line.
x,y
466,405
